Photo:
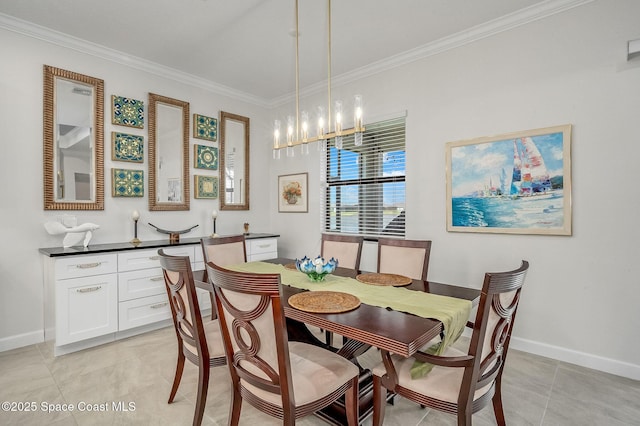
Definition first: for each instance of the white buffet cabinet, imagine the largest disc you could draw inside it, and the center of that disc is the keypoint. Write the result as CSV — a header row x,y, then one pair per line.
x,y
113,291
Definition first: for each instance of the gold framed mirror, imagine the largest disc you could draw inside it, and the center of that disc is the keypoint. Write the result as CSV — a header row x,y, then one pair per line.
x,y
168,153
234,161
73,141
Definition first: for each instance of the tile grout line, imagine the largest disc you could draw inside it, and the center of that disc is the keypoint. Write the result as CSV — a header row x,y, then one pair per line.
x,y
546,405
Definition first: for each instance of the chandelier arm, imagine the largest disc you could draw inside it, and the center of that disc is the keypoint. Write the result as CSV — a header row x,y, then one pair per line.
x,y
329,65
297,75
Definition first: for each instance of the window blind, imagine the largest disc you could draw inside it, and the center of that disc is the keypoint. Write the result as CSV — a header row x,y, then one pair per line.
x,y
365,185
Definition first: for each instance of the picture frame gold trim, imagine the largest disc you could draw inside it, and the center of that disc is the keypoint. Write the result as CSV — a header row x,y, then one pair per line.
x,y
514,183
293,193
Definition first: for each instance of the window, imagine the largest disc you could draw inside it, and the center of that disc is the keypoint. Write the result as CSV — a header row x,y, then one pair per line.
x,y
365,192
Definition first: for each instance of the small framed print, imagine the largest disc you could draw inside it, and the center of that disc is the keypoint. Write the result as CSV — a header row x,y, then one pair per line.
x,y
127,183
205,186
205,157
126,147
293,193
205,127
127,112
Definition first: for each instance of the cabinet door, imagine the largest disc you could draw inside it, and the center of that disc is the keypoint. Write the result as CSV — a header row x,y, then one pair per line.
x,y
86,307
143,311
143,283
262,248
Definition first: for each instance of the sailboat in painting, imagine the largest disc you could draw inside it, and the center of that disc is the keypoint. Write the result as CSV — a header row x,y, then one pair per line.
x,y
530,176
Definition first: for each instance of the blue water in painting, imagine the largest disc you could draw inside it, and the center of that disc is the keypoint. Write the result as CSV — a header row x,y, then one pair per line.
x,y
545,211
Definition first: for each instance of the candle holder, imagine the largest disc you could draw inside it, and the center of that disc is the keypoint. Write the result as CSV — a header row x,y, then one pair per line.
x,y
214,216
135,216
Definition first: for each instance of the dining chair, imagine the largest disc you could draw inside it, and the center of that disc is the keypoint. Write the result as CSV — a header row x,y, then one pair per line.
x,y
404,257
199,341
460,383
346,248
284,379
222,251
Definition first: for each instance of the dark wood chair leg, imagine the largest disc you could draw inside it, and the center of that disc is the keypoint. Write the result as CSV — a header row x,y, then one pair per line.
x,y
497,403
328,336
351,403
236,406
201,398
379,401
178,376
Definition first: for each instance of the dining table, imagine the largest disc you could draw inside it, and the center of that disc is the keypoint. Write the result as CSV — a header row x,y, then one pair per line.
x,y
365,326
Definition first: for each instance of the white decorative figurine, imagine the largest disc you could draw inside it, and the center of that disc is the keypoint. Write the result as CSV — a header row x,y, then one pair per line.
x,y
74,234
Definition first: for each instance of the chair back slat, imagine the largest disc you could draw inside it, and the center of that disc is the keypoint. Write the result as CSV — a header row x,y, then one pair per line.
x,y
495,317
183,300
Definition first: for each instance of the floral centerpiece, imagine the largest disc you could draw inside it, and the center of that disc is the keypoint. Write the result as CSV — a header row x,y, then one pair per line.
x,y
316,269
291,192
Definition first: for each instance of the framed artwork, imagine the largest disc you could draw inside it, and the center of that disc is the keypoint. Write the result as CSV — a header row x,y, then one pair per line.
x,y
205,127
127,183
205,186
126,147
127,112
293,193
205,157
516,183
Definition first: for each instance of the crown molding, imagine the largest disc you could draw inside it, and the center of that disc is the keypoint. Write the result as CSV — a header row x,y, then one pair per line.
x,y
30,29
505,23
479,32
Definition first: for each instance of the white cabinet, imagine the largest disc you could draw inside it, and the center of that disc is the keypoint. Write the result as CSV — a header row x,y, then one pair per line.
x,y
142,296
97,298
261,249
86,297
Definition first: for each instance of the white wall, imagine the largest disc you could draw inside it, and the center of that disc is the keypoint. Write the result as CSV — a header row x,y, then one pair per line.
x,y
21,206
580,303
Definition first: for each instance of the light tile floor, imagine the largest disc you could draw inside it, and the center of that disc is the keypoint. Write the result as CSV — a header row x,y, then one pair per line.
x,y
139,371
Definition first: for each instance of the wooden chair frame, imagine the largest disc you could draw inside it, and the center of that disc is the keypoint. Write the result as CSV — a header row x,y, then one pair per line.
x,y
353,239
267,286
189,328
479,370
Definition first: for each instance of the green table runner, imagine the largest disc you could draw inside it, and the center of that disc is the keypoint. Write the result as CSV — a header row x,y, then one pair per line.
x,y
452,312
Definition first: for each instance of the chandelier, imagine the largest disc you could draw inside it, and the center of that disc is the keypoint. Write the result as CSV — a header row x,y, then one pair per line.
x,y
298,128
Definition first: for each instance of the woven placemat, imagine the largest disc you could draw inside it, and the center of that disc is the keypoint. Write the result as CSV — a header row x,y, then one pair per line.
x,y
394,280
324,302
291,266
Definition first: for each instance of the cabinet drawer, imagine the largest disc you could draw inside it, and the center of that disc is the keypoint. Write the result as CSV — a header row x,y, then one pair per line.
x,y
144,259
143,311
85,266
86,307
262,245
143,283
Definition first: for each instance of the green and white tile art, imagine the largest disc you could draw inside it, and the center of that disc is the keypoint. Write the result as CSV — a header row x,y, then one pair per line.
x,y
205,127
205,157
205,186
125,147
127,183
127,112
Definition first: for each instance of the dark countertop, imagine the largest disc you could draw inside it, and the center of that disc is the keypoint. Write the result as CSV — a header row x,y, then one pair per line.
x,y
106,248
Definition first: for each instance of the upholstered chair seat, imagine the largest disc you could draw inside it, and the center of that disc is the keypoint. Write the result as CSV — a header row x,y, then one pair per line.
x,y
214,339
314,374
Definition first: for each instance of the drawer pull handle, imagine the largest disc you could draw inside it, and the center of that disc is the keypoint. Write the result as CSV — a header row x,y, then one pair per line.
x,y
89,289
154,257
264,245
88,265
159,305
156,279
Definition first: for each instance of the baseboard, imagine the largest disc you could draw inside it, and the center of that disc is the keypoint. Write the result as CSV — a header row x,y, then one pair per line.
x,y
26,339
608,365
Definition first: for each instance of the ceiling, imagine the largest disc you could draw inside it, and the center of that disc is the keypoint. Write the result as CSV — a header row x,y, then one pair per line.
x,y
247,46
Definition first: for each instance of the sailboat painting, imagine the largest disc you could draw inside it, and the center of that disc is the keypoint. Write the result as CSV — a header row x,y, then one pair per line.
x,y
516,183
